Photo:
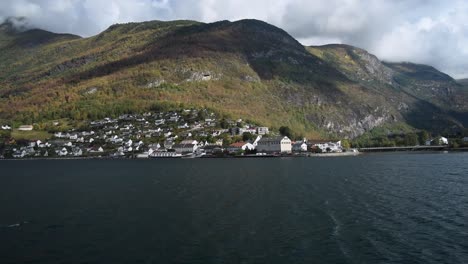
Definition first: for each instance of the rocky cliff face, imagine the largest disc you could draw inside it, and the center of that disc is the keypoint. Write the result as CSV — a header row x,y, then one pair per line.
x,y
421,95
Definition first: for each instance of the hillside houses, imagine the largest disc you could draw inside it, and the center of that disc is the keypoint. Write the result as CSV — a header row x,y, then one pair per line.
x,y
161,134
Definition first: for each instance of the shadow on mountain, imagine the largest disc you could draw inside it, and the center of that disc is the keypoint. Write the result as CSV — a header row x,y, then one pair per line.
x,y
429,117
270,51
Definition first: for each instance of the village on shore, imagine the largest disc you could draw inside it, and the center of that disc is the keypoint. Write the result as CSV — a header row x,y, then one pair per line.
x,y
188,133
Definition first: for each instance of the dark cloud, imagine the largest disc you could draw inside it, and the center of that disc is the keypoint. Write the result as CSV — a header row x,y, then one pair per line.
x,y
421,31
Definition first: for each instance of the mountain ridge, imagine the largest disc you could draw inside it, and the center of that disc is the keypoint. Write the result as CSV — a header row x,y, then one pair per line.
x,y
246,68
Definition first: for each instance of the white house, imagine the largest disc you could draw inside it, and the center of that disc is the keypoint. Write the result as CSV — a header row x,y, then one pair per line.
x,y
77,152
300,146
443,141
185,125
159,122
465,139
19,154
25,128
154,146
63,152
234,147
189,141
274,145
219,142
174,118
96,150
129,143
168,144
262,130
6,127
330,146
128,149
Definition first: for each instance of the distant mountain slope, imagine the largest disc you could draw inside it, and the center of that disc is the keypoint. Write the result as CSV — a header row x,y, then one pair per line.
x,y
427,98
463,82
247,69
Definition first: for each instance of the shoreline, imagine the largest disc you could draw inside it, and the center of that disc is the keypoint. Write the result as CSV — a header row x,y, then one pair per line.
x,y
304,155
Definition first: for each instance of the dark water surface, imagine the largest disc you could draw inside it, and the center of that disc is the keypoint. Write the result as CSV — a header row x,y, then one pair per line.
x,y
384,208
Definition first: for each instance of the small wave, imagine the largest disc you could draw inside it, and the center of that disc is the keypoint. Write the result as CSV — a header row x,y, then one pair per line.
x,y
336,234
337,225
16,224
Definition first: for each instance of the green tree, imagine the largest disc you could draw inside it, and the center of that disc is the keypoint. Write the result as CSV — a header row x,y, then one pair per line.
x,y
224,123
345,144
285,131
246,136
423,137
236,139
411,139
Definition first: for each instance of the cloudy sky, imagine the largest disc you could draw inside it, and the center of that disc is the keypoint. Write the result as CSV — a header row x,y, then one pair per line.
x,y
423,31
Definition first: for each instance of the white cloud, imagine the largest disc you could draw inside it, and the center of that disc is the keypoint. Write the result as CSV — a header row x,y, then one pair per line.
x,y
422,31
440,40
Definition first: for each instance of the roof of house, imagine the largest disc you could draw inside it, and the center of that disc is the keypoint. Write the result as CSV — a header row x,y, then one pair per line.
x,y
272,139
211,147
299,143
238,144
318,141
183,146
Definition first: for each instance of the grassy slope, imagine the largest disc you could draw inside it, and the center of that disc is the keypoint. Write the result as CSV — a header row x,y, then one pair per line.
x,y
259,72
121,61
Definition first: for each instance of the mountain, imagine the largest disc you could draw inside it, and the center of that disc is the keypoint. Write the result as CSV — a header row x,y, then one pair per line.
x,y
424,97
244,69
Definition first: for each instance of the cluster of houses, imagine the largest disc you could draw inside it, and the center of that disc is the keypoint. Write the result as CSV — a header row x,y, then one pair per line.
x,y
189,132
262,145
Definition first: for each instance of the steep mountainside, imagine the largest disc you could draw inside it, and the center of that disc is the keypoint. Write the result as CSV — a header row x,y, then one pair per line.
x,y
246,69
426,98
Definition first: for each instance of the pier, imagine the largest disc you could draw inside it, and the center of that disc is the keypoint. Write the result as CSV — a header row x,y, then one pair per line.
x,y
411,148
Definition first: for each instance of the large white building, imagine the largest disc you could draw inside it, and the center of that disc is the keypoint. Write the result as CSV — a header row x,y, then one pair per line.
x,y
185,148
274,145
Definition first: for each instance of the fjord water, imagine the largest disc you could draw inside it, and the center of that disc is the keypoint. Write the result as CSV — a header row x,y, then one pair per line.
x,y
383,208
